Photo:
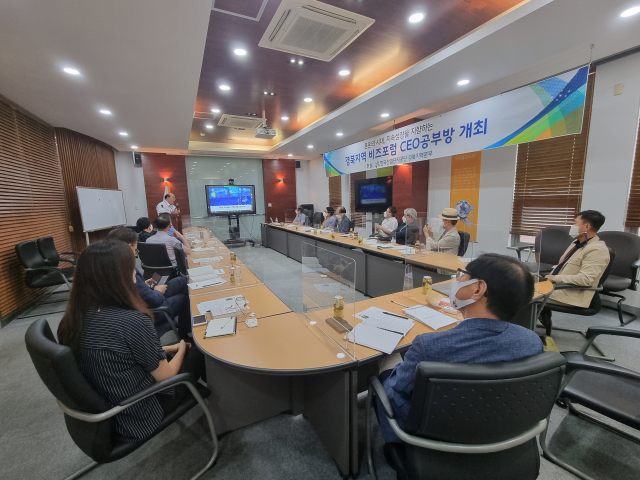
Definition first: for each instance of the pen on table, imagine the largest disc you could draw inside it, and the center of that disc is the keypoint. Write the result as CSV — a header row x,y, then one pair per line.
x,y
394,315
226,323
398,303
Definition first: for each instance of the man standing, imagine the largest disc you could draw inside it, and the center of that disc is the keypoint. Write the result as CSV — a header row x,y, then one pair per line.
x,y
163,224
389,224
168,205
449,239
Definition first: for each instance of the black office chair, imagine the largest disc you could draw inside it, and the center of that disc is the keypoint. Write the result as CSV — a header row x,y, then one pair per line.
x,y
472,420
308,214
161,315
48,250
134,228
603,387
40,273
317,218
181,261
464,243
548,247
352,224
154,258
624,273
88,414
593,309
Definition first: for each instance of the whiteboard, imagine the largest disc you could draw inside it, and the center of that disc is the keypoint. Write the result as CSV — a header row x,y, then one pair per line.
x,y
100,208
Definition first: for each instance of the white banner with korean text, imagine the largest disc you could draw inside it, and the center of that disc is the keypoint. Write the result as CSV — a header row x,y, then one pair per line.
x,y
550,108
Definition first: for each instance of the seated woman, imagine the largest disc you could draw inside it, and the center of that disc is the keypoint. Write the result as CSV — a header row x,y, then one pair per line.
x,y
110,330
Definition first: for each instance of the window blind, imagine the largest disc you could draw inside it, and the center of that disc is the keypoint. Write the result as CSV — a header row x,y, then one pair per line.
x,y
633,207
335,191
360,218
549,178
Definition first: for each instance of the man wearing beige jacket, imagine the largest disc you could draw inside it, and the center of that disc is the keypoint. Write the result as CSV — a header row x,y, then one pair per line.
x,y
583,263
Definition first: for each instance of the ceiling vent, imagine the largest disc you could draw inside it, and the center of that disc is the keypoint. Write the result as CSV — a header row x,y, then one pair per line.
x,y
240,122
313,29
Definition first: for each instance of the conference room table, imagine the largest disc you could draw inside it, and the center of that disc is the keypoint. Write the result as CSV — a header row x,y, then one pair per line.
x,y
293,362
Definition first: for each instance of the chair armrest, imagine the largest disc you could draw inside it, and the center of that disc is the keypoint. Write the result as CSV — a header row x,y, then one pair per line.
x,y
618,331
576,287
522,249
578,361
159,386
70,253
374,382
44,269
156,267
67,260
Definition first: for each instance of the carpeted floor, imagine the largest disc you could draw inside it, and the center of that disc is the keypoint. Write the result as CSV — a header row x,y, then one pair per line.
x,y
35,443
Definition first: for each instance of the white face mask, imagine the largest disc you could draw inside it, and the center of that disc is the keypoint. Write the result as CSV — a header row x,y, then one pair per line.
x,y
404,219
324,214
386,214
455,286
574,231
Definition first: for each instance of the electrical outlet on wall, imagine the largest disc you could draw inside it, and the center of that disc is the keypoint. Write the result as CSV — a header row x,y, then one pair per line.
x,y
136,207
269,205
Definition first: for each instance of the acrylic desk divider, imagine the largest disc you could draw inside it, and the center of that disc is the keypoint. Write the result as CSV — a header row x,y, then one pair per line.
x,y
289,215
328,298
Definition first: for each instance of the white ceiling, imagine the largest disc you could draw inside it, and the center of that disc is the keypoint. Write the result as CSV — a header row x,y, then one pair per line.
x,y
141,60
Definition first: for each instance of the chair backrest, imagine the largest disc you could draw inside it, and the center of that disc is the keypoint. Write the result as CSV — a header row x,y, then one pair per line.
x,y
483,403
48,250
352,224
181,260
596,301
627,248
154,255
551,243
29,255
56,365
464,243
317,218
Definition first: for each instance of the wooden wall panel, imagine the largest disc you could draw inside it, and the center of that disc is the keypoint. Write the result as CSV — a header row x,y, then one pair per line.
x,y
85,162
158,166
281,195
32,201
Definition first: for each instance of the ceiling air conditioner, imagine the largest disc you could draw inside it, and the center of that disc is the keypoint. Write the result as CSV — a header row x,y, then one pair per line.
x,y
313,29
240,122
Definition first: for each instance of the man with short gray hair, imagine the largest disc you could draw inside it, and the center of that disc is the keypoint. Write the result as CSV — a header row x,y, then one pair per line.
x,y
408,232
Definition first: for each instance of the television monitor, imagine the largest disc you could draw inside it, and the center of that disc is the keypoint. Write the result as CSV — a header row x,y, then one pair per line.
x,y
230,199
374,195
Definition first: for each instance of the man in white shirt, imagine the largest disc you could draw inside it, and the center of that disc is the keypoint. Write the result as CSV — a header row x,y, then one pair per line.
x,y
168,205
163,224
389,224
301,218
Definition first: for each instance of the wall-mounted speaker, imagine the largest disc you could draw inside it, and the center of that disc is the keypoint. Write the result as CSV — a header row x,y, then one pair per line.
x,y
137,159
297,163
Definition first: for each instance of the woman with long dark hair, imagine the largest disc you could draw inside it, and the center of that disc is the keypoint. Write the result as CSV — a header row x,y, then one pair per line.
x,y
110,330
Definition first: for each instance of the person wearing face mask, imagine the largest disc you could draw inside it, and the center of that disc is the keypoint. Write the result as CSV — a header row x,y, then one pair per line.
x,y
344,224
408,232
489,293
583,263
301,218
389,224
329,218
449,240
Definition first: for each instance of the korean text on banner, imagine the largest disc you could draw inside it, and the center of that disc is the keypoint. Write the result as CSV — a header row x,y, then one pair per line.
x,y
465,190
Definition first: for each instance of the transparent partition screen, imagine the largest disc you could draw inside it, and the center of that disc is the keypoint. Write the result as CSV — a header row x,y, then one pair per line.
x,y
289,215
329,295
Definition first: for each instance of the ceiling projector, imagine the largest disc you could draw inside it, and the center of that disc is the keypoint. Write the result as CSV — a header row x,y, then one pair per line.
x,y
265,132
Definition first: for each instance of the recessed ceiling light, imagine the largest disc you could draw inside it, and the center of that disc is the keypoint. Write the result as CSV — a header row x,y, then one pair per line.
x,y
124,134
71,71
266,93
339,134
225,87
309,146
105,112
134,147
344,73
209,126
300,62
416,17
215,110
463,82
631,11
284,118
293,60
308,99
384,115
290,155
240,51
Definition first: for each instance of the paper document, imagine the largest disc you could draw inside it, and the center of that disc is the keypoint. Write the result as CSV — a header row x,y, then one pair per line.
x,y
207,270
206,260
375,338
200,278
222,306
376,317
221,326
386,246
430,317
206,283
203,249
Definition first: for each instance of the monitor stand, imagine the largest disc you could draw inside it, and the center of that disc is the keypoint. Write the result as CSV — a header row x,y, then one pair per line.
x,y
234,239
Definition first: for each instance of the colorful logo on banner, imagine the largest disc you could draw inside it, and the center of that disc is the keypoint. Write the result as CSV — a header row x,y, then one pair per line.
x,y
465,191
550,108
